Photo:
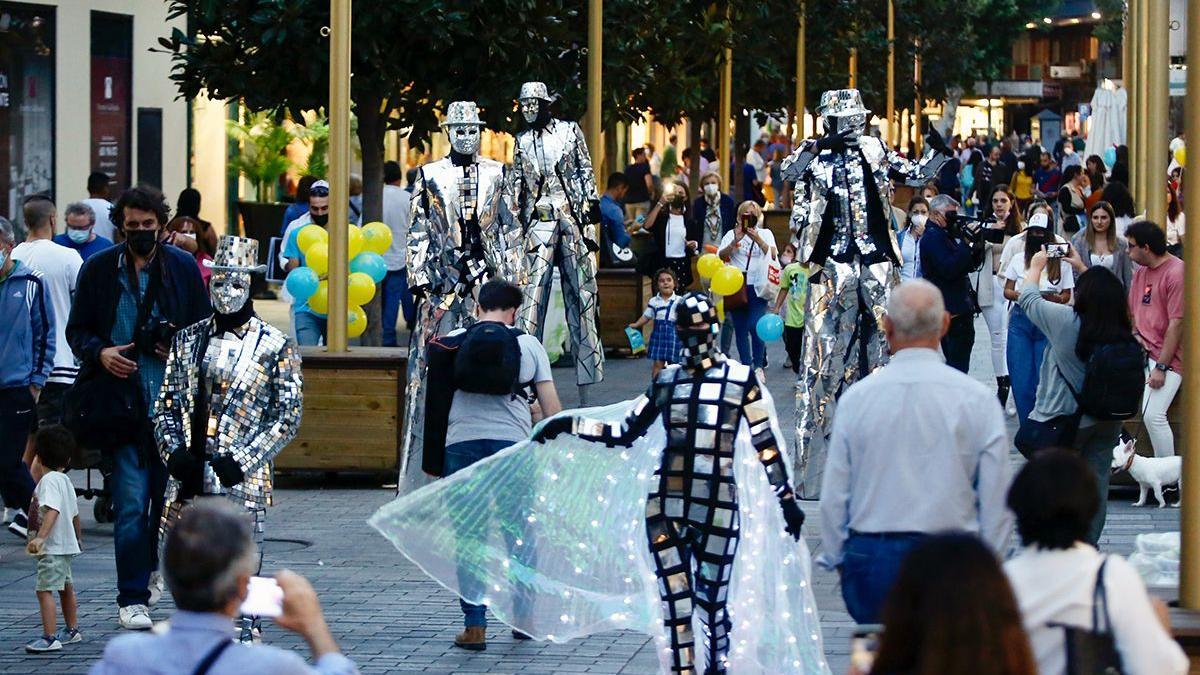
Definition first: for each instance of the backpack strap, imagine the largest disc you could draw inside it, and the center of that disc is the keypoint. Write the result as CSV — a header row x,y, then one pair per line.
x,y
211,657
1100,601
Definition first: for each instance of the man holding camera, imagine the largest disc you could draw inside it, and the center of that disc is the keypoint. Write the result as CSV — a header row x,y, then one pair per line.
x,y
130,300
947,258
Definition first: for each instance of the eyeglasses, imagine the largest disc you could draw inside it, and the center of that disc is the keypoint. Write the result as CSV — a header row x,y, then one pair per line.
x,y
318,192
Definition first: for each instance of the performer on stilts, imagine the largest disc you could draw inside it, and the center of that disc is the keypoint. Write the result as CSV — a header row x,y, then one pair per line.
x,y
553,192
462,234
231,398
842,227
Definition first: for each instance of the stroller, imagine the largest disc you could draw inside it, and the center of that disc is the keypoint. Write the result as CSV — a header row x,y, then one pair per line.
x,y
95,464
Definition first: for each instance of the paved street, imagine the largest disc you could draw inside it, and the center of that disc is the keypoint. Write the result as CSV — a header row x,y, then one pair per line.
x,y
386,614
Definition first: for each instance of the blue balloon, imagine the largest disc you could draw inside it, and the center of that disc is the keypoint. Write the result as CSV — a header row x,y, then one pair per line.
x,y
770,327
370,264
302,283
1110,157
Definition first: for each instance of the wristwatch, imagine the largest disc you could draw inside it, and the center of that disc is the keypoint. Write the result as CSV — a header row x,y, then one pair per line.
x,y
1162,367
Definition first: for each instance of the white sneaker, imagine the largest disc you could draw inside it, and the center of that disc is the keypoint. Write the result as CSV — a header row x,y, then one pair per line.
x,y
135,617
760,375
156,588
1010,408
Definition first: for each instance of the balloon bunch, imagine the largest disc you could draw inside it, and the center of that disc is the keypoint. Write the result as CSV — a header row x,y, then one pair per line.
x,y
726,280
310,284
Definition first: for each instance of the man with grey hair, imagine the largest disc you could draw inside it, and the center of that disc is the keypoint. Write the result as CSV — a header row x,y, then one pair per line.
x,y
81,232
947,261
917,448
209,558
26,359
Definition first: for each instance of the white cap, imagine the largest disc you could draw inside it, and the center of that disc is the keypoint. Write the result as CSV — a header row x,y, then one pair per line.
x,y
1038,220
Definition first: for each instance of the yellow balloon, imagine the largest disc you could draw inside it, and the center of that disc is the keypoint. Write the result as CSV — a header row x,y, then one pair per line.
x,y
708,264
360,288
356,242
309,235
377,237
356,322
1181,155
727,280
317,257
319,302
721,309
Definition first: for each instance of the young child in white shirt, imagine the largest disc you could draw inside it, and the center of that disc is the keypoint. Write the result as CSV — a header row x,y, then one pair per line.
x,y
54,537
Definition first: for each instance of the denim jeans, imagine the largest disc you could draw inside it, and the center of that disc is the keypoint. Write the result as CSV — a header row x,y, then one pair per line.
x,y
752,351
395,297
458,457
1095,444
870,565
139,482
959,341
1026,346
310,328
17,418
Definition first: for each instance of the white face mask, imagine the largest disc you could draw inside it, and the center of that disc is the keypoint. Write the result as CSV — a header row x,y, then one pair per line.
x,y
3,258
918,219
785,260
189,235
711,190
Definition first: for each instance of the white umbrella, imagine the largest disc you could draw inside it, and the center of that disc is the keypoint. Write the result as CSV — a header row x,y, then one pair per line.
x,y
1108,120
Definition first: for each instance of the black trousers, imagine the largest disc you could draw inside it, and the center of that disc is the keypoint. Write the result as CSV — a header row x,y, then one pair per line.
x,y
17,420
793,341
958,341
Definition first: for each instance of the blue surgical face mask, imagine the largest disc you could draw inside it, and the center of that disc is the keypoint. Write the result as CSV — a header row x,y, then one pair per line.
x,y
79,236
3,258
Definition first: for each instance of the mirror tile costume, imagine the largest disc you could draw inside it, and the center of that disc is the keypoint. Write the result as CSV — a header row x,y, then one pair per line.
x,y
461,235
841,223
554,196
231,397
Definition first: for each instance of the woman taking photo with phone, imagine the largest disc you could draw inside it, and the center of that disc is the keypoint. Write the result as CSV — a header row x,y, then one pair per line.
x,y
675,234
748,247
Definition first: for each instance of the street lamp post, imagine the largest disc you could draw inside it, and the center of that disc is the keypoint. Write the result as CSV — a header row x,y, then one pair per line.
x,y
595,49
891,74
801,79
339,170
1158,57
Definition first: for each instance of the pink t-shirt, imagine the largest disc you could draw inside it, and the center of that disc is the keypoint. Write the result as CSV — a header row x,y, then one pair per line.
x,y
1156,297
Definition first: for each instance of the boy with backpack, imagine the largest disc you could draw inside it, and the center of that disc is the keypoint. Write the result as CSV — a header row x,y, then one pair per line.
x,y
486,372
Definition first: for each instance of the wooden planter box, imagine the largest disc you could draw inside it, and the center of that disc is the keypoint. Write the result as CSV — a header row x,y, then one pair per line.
x,y
623,297
353,411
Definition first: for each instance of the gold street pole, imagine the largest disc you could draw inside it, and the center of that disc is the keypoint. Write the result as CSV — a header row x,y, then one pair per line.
x,y
888,133
801,79
853,68
1158,60
725,103
1189,558
1143,113
339,170
595,47
1133,92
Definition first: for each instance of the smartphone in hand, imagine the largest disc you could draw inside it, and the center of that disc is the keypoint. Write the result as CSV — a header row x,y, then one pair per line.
x,y
264,597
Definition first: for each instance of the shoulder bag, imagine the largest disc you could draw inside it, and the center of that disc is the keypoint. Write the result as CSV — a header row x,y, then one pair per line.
x,y
741,297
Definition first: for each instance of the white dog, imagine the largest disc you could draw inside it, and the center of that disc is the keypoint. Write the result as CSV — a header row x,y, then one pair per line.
x,y
1149,472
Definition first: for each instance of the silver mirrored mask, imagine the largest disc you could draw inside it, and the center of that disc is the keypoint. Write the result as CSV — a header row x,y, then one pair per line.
x,y
229,290
530,108
464,138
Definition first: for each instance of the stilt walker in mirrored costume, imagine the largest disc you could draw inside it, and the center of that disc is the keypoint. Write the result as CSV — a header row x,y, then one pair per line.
x,y
462,234
553,191
231,397
692,521
841,222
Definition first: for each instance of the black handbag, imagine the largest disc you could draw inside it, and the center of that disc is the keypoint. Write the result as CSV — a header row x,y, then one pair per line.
x,y
1058,432
1093,651
103,411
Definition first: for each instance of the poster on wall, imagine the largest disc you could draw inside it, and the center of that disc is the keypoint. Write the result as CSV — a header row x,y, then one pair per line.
x,y
26,105
112,97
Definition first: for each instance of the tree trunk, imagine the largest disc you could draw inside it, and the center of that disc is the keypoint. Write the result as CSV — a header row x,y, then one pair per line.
x,y
609,163
371,127
694,144
945,125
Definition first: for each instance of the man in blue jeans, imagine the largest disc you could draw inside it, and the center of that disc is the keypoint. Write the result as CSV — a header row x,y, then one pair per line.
x,y
918,447
129,301
481,425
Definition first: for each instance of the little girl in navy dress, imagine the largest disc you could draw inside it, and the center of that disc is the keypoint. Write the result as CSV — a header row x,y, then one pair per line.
x,y
664,345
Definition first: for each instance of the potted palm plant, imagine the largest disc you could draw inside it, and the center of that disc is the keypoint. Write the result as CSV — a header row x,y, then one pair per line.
x,y
262,160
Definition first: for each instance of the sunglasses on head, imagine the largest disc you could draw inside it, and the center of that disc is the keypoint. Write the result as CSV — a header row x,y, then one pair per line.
x,y
319,192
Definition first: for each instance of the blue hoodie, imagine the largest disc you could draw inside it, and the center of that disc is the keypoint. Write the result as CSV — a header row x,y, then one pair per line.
x,y
27,332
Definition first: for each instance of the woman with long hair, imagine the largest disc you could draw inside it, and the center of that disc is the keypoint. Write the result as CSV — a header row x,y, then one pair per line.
x,y
952,610
676,234
1056,575
1118,196
989,284
748,247
1094,168
1071,198
1098,244
1176,228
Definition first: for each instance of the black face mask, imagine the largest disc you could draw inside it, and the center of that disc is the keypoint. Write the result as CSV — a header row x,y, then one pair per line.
x,y
141,242
319,219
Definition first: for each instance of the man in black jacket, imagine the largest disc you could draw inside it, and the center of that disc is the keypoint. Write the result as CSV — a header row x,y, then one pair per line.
x,y
946,261
130,301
